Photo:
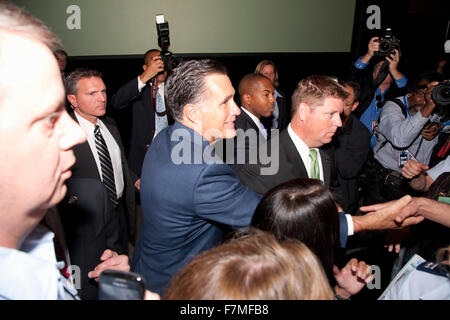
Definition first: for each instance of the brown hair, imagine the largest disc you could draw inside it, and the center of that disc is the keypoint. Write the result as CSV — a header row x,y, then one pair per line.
x,y
76,75
315,89
254,266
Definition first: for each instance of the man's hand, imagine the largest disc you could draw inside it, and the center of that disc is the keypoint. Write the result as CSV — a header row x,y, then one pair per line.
x,y
382,216
394,239
394,59
429,102
111,260
152,68
352,278
137,184
431,131
413,168
372,47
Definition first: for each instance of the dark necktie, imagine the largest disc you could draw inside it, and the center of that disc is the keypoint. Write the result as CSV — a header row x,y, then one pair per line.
x,y
106,165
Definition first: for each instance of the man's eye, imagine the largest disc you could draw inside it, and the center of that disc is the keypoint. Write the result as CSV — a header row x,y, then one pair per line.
x,y
52,118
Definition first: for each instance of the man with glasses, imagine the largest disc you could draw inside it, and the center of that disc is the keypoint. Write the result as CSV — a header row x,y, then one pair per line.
x,y
406,130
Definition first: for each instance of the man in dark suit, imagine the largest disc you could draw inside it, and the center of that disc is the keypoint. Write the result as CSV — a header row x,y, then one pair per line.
x,y
96,216
187,193
352,146
256,96
317,103
145,95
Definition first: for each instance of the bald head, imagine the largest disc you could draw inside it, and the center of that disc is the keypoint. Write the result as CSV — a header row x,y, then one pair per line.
x,y
249,82
256,92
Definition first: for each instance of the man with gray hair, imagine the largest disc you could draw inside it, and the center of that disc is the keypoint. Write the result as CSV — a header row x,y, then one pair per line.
x,y
188,195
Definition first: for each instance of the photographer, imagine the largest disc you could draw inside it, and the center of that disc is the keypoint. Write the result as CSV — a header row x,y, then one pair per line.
x,y
405,132
375,86
149,112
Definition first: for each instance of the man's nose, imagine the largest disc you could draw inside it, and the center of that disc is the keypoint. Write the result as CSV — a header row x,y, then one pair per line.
x,y
72,133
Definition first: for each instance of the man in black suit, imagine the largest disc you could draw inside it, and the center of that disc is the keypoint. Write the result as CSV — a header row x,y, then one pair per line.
x,y
317,102
145,95
352,145
256,96
96,216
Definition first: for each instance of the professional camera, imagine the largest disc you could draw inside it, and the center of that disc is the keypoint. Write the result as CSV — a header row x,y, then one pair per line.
x,y
441,93
170,60
388,43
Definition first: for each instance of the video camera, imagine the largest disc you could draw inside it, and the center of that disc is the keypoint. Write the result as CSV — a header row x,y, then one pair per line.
x,y
441,93
170,60
388,43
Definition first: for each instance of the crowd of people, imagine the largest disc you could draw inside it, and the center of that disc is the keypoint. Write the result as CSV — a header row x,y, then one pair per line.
x,y
275,198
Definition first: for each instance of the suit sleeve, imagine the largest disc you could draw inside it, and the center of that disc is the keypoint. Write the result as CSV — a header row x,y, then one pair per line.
x,y
220,197
343,229
126,94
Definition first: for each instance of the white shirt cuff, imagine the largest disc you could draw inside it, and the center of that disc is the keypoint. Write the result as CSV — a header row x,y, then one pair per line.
x,y
350,231
140,84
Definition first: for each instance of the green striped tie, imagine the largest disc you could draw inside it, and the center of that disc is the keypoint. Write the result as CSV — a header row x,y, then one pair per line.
x,y
314,172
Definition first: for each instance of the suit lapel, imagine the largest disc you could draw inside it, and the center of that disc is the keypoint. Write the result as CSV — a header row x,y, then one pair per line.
x,y
326,166
85,163
292,156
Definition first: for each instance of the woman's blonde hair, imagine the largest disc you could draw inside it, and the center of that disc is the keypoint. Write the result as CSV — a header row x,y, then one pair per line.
x,y
260,67
254,266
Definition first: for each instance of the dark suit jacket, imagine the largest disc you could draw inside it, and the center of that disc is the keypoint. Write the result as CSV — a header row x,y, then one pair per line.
x,y
186,200
90,222
352,146
245,145
291,167
143,120
284,113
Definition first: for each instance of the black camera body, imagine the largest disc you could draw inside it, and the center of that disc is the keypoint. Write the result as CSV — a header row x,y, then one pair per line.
x,y
170,60
388,43
441,93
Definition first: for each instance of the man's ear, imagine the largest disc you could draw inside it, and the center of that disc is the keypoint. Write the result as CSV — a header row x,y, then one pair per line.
x,y
355,105
192,113
246,99
73,100
144,67
303,111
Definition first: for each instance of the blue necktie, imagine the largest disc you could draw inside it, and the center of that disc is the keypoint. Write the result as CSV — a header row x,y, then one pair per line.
x,y
160,122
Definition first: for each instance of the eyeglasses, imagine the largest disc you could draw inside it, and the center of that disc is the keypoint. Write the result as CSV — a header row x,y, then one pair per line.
x,y
420,93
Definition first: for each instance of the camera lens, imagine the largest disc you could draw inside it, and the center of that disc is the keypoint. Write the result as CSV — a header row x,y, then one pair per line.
x,y
385,46
441,94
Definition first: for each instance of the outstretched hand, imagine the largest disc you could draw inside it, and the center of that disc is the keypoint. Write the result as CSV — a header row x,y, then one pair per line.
x,y
383,216
110,260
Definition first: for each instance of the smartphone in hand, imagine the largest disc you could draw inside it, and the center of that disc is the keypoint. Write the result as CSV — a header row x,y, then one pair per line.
x,y
121,285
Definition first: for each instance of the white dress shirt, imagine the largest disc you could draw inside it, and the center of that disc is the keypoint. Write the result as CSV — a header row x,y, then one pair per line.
x,y
113,149
257,122
303,150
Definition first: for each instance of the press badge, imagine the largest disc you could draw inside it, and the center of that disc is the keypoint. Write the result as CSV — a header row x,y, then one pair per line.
x,y
403,158
405,155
